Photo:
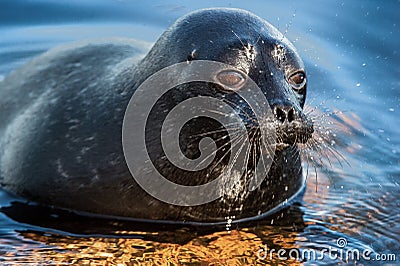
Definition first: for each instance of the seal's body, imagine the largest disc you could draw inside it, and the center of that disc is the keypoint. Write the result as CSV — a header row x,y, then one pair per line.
x,y
61,118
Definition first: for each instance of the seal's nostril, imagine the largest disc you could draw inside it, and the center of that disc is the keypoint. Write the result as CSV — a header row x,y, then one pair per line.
x,y
285,114
291,115
280,114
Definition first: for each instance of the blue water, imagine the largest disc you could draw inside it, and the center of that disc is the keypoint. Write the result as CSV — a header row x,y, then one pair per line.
x,y
352,57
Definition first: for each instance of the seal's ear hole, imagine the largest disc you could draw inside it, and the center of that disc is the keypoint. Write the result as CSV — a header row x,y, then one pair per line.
x,y
231,79
297,80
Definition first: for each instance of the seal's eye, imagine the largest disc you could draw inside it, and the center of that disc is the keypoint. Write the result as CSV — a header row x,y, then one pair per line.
x,y
297,80
231,79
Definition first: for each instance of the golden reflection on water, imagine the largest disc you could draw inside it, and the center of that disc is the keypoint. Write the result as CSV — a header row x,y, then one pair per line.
x,y
237,247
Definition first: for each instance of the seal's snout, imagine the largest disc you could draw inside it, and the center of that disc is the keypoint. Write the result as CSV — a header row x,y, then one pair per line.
x,y
292,125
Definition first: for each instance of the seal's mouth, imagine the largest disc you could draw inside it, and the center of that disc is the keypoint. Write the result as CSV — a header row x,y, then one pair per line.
x,y
288,132
296,132
292,127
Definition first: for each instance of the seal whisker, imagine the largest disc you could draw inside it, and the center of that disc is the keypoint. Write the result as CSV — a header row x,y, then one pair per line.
x,y
251,149
309,108
252,119
244,46
237,155
222,146
263,143
259,36
218,112
323,139
308,164
224,137
316,178
326,141
226,153
212,132
321,143
339,157
311,162
232,126
313,145
324,115
256,144
318,149
298,159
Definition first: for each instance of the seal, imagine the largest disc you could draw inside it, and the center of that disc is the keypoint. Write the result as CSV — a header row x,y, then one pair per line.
x,y
62,114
